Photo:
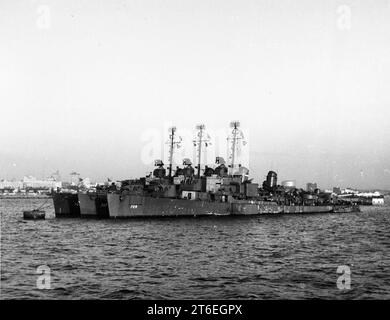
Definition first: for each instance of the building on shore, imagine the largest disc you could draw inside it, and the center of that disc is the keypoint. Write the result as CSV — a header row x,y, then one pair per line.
x,y
361,197
10,185
29,184
378,201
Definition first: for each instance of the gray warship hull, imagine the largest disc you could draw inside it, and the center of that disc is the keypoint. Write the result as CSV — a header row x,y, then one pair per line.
x,y
93,205
128,206
133,206
66,205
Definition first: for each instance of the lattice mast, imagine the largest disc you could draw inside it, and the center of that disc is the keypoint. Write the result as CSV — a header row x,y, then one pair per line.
x,y
236,137
174,142
201,138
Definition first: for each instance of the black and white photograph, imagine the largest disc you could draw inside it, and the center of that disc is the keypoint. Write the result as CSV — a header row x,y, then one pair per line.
x,y
194,150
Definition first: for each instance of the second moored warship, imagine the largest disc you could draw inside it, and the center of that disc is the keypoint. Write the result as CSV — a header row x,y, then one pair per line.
x,y
66,201
77,201
66,204
93,203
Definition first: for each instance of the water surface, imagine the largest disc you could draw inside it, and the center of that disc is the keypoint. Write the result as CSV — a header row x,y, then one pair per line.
x,y
264,257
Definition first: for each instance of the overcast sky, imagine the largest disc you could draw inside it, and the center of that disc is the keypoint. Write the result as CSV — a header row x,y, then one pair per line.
x,y
85,84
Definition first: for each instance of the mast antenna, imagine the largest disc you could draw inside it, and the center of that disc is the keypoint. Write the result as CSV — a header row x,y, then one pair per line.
x,y
200,139
235,137
172,144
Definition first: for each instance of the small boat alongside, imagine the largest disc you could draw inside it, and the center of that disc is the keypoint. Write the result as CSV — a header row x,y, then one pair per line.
x,y
35,214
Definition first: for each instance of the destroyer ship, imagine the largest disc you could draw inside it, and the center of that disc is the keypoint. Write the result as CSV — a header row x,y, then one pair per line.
x,y
225,190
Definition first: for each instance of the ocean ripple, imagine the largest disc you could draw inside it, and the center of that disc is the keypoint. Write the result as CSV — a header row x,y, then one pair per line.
x,y
267,257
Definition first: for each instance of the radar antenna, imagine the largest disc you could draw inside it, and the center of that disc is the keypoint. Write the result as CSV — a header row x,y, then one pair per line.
x,y
234,138
173,142
201,138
